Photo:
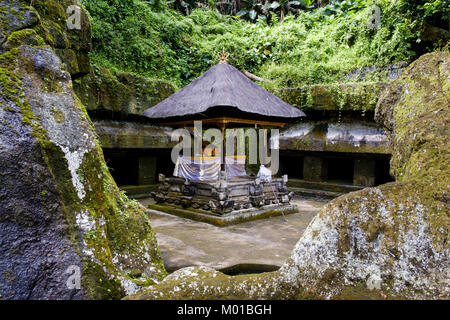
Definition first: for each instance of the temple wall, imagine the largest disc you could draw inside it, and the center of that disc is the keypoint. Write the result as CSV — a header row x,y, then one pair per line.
x,y
130,135
356,137
350,136
337,144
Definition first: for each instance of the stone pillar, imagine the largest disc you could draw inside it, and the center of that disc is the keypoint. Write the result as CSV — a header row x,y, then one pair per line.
x,y
147,170
315,169
364,173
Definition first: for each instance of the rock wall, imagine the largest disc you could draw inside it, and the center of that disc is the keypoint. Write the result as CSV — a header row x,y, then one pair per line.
x,y
46,22
385,242
340,118
351,97
118,96
132,135
60,209
71,45
392,239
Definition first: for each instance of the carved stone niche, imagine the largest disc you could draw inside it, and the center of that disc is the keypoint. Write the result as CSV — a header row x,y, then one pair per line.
x,y
281,188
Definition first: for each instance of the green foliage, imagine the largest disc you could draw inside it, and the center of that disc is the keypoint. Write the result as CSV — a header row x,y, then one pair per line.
x,y
261,9
339,8
252,9
435,12
319,46
131,36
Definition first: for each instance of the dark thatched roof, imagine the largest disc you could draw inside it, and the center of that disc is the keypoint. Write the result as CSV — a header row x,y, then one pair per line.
x,y
222,86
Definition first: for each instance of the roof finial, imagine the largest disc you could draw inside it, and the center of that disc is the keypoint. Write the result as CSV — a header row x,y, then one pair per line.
x,y
223,56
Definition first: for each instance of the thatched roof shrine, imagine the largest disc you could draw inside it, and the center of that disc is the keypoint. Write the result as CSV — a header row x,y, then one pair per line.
x,y
223,91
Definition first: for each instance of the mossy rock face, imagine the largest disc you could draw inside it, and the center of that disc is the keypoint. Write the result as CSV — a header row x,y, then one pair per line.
x,y
391,240
48,19
203,283
122,93
60,207
15,16
385,242
73,45
25,36
416,113
352,97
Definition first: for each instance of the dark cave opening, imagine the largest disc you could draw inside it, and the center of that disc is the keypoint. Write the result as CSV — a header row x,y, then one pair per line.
x,y
291,165
131,167
340,170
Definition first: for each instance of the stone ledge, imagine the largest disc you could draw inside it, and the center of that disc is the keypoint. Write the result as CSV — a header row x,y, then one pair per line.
x,y
126,135
226,220
137,192
324,186
325,194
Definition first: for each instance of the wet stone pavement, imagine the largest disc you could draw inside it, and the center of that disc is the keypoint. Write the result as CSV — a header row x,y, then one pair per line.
x,y
263,243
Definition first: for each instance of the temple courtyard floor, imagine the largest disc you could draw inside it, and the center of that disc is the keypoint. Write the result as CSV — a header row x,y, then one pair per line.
x,y
255,246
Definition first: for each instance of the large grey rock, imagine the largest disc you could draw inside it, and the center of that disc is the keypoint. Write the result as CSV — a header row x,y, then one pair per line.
x,y
59,207
15,16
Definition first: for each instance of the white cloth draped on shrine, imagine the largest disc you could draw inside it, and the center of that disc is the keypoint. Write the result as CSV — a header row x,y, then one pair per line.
x,y
208,168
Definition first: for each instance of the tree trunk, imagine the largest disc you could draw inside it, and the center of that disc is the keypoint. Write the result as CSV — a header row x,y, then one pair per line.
x,y
251,76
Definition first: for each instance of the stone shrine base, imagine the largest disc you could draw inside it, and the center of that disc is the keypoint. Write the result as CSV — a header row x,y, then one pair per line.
x,y
232,218
225,201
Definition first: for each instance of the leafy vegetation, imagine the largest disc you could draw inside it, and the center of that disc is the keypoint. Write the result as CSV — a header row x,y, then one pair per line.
x,y
312,45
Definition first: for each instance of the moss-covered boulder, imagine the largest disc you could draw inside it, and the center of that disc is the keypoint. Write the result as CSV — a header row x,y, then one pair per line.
x,y
16,16
120,95
46,21
204,283
60,210
416,114
385,242
392,239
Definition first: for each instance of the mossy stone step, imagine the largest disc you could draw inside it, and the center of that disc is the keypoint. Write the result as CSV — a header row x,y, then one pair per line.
x,y
316,193
325,186
136,192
